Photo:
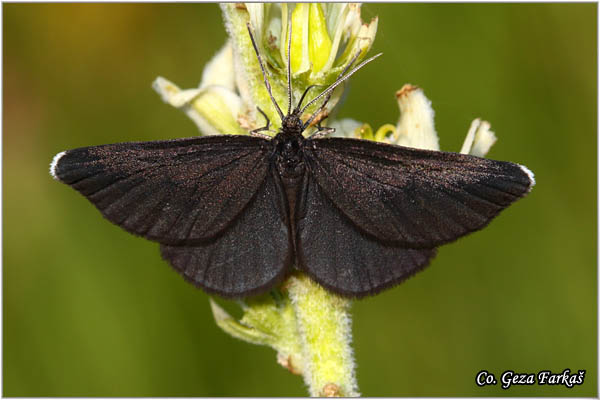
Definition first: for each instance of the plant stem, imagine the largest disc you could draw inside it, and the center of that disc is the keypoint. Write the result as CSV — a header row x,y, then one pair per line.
x,y
325,330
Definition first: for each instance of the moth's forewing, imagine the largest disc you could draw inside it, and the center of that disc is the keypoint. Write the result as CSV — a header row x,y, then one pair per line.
x,y
249,257
414,198
174,192
335,253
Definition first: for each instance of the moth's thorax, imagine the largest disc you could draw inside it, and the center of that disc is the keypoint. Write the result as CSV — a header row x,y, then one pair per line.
x,y
288,153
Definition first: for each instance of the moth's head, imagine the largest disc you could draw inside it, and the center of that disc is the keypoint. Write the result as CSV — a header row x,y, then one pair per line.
x,y
292,124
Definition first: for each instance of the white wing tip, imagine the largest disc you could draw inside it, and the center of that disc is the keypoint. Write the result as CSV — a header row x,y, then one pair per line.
x,y
530,175
54,163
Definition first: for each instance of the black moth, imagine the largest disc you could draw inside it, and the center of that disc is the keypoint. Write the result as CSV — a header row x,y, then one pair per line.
x,y
236,214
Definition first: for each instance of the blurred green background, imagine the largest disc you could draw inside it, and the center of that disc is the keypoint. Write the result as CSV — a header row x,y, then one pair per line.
x,y
90,310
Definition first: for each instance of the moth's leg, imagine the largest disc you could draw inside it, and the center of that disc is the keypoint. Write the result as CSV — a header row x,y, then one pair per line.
x,y
256,132
264,128
322,130
297,109
316,113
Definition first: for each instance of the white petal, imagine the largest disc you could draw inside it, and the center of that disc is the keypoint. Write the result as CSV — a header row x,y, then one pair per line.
x,y
415,127
165,88
220,70
468,143
361,36
366,34
215,110
335,13
479,139
257,15
257,18
352,21
171,94
336,21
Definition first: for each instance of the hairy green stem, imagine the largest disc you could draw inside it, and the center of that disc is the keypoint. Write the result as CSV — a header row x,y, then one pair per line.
x,y
325,334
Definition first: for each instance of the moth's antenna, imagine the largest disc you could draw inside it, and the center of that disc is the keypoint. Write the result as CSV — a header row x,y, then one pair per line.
x,y
339,81
264,72
350,64
316,113
289,63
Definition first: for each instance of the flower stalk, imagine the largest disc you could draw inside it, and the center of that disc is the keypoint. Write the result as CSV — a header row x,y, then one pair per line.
x,y
325,331
309,327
